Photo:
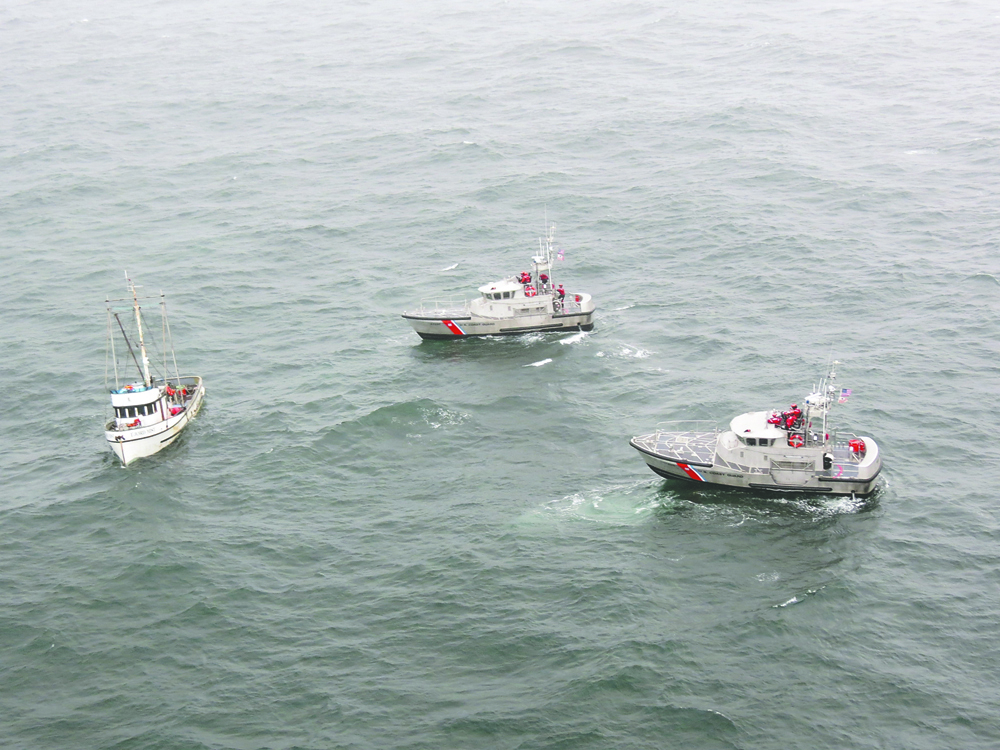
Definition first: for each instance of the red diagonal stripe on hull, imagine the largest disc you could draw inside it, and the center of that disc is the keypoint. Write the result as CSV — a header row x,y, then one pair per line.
x,y
450,325
691,472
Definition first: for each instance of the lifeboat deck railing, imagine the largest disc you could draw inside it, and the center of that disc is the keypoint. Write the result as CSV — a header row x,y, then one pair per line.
x,y
568,308
441,307
456,307
687,426
687,440
838,443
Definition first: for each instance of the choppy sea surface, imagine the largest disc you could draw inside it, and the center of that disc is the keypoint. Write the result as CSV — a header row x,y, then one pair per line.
x,y
369,541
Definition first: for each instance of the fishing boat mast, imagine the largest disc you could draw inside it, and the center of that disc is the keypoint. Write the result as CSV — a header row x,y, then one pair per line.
x,y
146,380
168,339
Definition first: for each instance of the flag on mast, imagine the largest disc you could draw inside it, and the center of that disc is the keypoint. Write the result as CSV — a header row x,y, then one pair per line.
x,y
560,255
845,393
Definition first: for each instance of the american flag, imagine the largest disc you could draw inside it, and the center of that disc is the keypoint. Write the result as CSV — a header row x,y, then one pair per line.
x,y
561,255
845,393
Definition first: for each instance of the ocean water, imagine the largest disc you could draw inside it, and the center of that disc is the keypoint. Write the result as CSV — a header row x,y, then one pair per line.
x,y
369,541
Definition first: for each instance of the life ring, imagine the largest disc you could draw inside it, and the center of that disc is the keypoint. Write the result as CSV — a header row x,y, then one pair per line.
x,y
795,440
857,445
529,291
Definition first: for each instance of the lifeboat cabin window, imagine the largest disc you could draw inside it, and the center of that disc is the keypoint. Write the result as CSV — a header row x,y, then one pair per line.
x,y
751,441
506,295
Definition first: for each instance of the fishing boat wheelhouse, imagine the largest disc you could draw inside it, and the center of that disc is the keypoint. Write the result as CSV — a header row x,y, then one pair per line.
x,y
149,409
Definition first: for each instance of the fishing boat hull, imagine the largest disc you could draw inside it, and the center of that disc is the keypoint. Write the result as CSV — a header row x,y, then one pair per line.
x,y
675,455
444,327
130,444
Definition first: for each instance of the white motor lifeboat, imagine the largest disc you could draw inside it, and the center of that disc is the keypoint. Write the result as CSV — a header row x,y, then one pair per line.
x,y
769,450
527,302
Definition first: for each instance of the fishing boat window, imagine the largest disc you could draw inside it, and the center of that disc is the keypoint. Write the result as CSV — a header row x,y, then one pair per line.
x,y
142,410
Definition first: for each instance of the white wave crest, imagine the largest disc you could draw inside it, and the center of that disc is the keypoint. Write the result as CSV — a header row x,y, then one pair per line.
x,y
626,352
575,338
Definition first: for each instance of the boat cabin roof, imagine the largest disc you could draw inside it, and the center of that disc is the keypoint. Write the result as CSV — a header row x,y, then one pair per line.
x,y
540,264
506,285
754,424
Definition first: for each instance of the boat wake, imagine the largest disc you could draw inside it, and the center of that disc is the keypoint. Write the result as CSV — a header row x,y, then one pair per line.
x,y
619,504
404,420
798,598
821,506
523,338
575,338
759,507
625,351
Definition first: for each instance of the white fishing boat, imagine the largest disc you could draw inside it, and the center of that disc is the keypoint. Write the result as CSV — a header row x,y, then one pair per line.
x,y
150,409
528,302
769,450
